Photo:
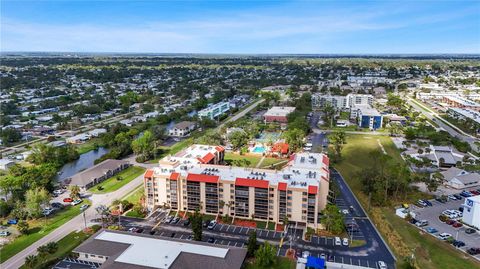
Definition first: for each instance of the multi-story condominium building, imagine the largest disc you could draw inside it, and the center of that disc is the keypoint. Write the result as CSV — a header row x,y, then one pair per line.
x,y
367,117
213,111
341,102
298,192
182,129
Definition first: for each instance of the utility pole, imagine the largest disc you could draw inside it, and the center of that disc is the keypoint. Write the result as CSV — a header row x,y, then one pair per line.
x,y
84,220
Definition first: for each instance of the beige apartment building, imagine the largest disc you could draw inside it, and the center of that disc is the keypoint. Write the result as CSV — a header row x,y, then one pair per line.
x,y
195,179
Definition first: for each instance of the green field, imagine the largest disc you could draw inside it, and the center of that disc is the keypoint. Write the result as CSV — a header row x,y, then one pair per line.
x,y
113,184
38,229
134,196
402,238
251,159
65,246
88,146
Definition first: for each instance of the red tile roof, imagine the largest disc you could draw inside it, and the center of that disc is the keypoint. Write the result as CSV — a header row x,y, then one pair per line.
x,y
312,189
326,160
207,158
219,149
174,176
282,186
202,178
148,173
280,147
246,182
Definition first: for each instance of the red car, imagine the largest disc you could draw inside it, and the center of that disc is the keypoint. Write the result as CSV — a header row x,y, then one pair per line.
x,y
450,222
457,224
475,192
68,200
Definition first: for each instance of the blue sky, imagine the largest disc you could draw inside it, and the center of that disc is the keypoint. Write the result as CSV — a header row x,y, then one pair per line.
x,y
344,27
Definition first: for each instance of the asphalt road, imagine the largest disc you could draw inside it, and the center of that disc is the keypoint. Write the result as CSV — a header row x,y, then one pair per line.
x,y
452,131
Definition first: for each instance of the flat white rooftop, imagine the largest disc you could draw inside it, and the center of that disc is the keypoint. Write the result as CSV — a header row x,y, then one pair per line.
x,y
279,111
157,253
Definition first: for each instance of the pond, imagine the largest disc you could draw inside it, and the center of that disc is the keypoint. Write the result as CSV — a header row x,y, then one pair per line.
x,y
83,162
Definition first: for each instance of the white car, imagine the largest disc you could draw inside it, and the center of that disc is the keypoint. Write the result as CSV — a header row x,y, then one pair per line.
x,y
212,225
83,207
305,254
444,236
4,233
382,265
345,241
451,197
338,241
345,211
77,201
59,191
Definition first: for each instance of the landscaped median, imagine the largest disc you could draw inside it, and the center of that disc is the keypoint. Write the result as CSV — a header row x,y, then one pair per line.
x,y
117,181
38,229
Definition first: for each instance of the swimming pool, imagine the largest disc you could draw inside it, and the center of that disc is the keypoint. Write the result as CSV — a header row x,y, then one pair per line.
x,y
259,149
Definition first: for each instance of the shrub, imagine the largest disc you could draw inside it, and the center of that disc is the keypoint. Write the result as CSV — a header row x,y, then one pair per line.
x,y
443,218
23,227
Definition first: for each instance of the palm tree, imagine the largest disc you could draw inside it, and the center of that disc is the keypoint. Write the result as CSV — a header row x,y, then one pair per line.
x,y
31,261
102,210
52,247
42,251
74,191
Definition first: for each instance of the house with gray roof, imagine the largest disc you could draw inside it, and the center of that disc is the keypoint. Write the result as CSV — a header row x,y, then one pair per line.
x,y
118,249
460,179
182,129
98,173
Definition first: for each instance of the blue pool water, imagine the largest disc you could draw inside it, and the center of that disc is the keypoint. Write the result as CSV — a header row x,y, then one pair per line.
x,y
259,149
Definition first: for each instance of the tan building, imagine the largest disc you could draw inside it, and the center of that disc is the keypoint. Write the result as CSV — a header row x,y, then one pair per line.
x,y
297,192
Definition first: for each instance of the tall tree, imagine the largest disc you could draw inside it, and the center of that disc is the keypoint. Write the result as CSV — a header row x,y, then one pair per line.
x,y
338,139
196,220
34,200
143,145
252,243
266,255
74,192
294,138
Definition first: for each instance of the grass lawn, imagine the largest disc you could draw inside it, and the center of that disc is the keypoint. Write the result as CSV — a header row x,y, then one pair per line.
x,y
261,224
271,225
282,263
112,184
88,146
65,246
252,160
135,214
134,196
402,238
38,229
267,162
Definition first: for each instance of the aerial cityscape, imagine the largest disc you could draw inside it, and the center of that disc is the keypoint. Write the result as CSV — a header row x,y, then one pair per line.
x,y
240,134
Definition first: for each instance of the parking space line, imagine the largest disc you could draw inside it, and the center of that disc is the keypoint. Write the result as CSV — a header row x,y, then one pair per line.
x,y
268,233
241,230
228,227
368,264
351,260
221,227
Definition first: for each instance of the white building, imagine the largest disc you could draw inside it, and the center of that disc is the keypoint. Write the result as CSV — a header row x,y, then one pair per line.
x,y
342,102
213,111
182,129
471,211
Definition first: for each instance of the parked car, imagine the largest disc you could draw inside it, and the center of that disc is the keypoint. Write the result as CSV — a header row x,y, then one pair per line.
x,y
473,251
413,221
469,231
382,265
4,233
211,240
133,229
458,196
47,211
77,201
458,244
172,235
457,224
338,241
444,236
441,200
59,191
190,237
206,223
139,230
186,222
84,207
152,232
12,221
428,203
305,254
475,192
452,197
57,205
421,223
67,200
466,194
168,219
212,225
421,203
450,222
345,241
431,230
175,220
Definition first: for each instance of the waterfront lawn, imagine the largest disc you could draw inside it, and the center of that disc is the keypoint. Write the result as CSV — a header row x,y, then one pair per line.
x,y
88,146
65,246
113,184
38,229
402,238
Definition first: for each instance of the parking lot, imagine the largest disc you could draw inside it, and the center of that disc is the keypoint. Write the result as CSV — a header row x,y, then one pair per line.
x,y
431,214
